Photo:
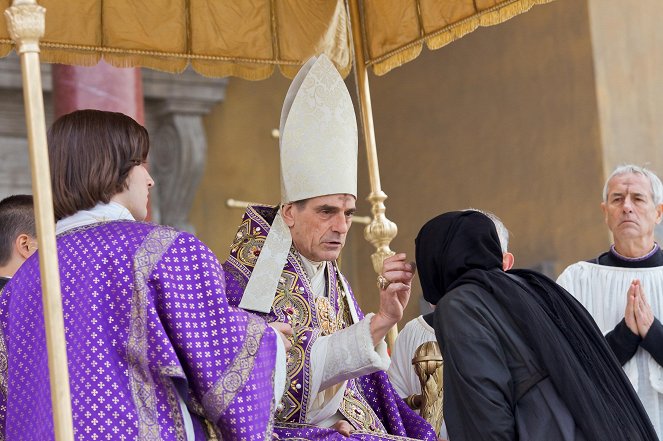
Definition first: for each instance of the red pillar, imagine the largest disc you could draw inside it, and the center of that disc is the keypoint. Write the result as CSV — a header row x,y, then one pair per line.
x,y
102,87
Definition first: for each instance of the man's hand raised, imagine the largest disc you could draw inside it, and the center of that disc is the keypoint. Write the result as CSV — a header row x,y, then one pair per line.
x,y
395,281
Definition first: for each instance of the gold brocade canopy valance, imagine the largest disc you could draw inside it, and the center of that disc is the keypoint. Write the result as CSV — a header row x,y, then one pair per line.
x,y
249,38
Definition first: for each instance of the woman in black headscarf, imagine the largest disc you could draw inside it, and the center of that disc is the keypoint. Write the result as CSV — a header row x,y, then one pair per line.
x,y
522,359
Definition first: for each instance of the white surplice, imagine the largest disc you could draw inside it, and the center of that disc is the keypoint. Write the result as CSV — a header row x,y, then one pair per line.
x,y
602,290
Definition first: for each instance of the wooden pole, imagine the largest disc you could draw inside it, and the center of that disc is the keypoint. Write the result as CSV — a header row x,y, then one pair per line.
x,y
381,231
26,22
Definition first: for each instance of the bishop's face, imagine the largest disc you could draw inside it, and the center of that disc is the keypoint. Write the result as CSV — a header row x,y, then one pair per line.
x,y
320,225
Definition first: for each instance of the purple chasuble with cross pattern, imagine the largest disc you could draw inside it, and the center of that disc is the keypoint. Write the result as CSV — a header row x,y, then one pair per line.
x,y
370,403
148,328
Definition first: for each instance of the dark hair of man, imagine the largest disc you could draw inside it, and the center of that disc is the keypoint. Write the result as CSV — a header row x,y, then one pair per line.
x,y
91,154
17,217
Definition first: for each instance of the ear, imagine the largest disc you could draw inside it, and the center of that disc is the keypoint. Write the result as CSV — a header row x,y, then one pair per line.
x,y
659,213
605,212
22,245
287,213
507,261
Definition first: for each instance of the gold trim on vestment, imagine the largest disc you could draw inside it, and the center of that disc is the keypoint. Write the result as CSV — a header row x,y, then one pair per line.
x,y
222,393
4,366
142,384
173,401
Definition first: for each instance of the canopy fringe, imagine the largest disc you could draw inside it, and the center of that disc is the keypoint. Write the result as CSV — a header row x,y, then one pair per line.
x,y
70,58
251,73
291,71
397,60
442,37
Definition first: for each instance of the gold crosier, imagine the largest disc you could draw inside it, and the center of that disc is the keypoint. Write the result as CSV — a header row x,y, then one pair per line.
x,y
381,231
26,25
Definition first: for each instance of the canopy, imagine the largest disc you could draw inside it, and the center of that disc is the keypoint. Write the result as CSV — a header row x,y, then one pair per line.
x,y
249,38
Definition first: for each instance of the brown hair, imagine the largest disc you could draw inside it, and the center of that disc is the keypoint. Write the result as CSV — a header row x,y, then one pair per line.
x,y
16,217
91,153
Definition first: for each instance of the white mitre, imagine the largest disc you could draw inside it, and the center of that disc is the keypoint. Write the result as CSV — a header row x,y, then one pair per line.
x,y
318,146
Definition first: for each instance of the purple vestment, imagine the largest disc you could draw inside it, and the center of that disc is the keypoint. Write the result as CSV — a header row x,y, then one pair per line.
x,y
147,321
370,404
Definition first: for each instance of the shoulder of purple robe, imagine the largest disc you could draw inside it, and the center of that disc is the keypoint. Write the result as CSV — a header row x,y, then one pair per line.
x,y
227,355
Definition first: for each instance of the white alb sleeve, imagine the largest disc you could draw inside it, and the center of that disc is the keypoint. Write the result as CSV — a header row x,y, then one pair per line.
x,y
280,368
336,358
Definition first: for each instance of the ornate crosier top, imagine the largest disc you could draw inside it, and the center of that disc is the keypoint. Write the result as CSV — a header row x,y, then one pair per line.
x,y
26,23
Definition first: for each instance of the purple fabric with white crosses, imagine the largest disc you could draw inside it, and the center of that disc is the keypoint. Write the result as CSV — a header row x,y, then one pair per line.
x,y
146,319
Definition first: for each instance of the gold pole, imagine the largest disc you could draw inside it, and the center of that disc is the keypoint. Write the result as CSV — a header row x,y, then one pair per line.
x,y
381,231
26,23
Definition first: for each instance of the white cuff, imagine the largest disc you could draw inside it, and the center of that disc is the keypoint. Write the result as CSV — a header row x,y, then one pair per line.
x,y
350,354
336,358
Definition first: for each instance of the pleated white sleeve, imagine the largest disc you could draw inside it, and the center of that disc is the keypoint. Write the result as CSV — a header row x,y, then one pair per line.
x,y
336,358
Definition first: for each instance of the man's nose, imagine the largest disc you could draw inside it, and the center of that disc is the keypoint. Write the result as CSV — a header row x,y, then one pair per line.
x,y
340,224
628,204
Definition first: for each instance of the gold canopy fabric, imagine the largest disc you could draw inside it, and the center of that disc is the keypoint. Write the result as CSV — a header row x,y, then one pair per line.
x,y
249,38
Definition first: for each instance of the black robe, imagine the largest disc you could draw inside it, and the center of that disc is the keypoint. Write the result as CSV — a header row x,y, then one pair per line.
x,y
495,388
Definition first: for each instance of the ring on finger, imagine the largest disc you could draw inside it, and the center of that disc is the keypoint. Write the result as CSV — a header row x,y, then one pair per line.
x,y
383,282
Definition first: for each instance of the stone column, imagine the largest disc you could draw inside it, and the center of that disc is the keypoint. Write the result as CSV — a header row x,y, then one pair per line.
x,y
179,145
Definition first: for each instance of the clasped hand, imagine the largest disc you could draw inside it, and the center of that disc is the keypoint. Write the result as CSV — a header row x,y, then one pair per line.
x,y
638,314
